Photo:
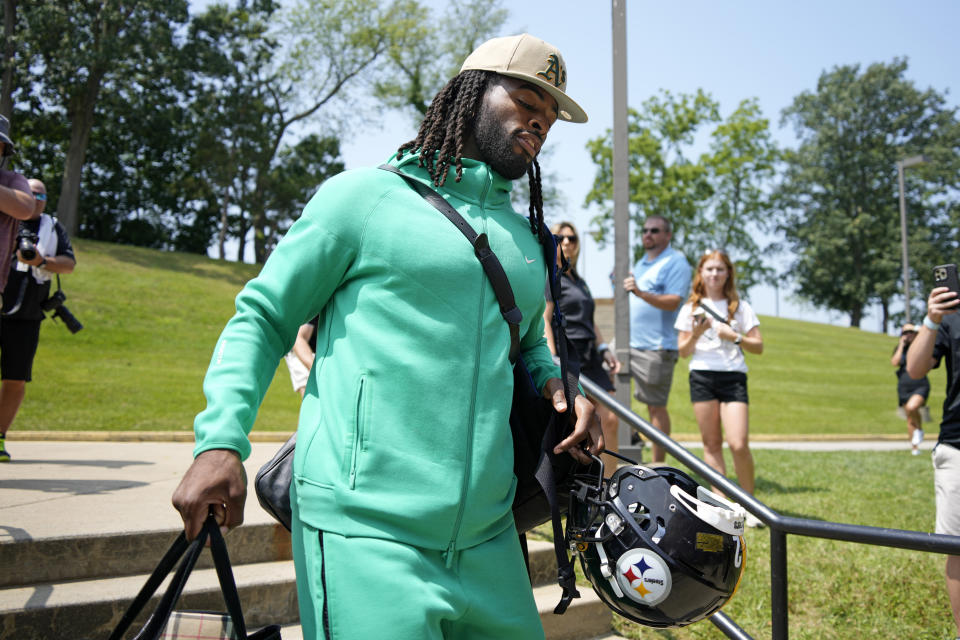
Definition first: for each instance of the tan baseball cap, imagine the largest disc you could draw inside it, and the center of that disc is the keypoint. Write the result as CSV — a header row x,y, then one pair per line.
x,y
528,58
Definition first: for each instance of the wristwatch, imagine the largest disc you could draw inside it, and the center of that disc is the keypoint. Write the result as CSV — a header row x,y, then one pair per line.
x,y
739,339
42,264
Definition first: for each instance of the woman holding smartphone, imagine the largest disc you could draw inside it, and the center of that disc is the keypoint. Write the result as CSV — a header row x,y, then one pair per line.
x,y
715,327
597,361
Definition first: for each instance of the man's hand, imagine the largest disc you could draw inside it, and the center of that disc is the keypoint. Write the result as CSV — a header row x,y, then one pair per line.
x,y
611,361
942,302
586,429
37,259
630,285
215,481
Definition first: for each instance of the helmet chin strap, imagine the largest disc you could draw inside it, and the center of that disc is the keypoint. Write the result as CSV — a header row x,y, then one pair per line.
x,y
605,569
718,512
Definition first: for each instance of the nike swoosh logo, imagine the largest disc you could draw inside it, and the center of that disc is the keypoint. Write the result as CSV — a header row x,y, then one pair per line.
x,y
529,260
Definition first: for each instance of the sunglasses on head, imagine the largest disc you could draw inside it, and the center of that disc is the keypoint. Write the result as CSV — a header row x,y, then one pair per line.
x,y
652,230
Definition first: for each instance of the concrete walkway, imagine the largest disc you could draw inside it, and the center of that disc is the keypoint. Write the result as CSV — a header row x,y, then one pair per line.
x,y
57,488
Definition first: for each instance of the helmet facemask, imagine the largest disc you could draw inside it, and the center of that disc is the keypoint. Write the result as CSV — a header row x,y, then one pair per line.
x,y
657,548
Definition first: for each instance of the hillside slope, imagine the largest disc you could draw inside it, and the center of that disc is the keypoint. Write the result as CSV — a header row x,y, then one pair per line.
x,y
151,319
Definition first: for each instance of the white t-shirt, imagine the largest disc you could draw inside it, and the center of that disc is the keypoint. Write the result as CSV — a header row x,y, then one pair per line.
x,y
711,353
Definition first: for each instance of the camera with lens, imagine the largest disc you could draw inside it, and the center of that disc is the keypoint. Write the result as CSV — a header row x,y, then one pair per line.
x,y
55,303
27,244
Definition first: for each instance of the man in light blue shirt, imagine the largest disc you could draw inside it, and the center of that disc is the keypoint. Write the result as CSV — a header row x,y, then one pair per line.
x,y
659,283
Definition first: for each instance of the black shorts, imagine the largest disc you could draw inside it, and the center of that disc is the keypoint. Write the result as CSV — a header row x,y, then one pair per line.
x,y
591,363
725,386
18,346
910,387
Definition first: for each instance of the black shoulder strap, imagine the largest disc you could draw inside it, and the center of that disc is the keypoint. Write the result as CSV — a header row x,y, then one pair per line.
x,y
716,316
504,292
481,248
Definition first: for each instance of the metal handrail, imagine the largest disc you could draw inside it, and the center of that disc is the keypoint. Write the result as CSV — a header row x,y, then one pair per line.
x,y
779,525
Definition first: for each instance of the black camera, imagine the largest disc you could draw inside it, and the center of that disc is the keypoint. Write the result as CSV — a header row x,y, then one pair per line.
x,y
55,303
27,244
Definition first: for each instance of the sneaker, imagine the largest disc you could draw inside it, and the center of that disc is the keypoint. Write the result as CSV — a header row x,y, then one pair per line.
x,y
917,437
4,456
915,452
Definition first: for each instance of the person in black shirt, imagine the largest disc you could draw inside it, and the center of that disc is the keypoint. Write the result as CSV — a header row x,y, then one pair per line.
x,y
577,306
911,394
938,338
28,286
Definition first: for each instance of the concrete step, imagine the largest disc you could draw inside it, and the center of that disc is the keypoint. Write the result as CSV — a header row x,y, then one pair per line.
x,y
91,608
586,617
122,554
131,553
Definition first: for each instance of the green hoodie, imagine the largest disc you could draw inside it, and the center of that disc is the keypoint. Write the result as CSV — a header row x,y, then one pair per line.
x,y
404,430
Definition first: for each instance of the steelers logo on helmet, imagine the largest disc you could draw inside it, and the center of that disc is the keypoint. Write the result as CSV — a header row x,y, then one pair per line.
x,y
644,577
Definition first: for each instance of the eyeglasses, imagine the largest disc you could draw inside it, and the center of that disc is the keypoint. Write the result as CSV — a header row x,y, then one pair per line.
x,y
572,239
651,230
39,196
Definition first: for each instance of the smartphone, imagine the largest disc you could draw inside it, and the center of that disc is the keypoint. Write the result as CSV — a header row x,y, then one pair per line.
x,y
945,275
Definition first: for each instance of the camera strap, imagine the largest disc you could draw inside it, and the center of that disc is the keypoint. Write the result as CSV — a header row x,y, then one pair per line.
x,y
716,316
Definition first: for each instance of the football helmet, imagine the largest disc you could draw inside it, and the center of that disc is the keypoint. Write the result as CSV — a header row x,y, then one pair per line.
x,y
657,547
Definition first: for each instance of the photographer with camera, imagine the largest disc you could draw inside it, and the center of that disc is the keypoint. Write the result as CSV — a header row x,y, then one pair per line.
x,y
43,250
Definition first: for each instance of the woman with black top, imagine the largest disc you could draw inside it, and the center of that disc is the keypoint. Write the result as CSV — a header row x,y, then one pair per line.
x,y
911,394
577,306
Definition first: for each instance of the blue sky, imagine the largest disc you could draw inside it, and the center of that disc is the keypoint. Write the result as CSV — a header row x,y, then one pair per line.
x,y
733,50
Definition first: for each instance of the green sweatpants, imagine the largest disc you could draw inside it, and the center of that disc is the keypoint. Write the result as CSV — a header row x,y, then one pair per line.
x,y
368,589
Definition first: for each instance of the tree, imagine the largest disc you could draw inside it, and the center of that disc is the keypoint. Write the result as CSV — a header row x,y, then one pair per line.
x,y
740,166
663,180
325,49
437,48
715,201
839,195
75,47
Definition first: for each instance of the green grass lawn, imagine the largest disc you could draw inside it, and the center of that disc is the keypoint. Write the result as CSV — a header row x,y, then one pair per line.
x,y
815,379
837,590
151,319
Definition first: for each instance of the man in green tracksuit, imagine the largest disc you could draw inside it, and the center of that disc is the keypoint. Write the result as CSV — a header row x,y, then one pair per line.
x,y
403,470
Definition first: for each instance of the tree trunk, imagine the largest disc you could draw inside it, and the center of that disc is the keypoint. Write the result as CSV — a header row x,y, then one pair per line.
x,y
222,239
81,119
242,240
258,215
259,234
856,315
885,321
9,52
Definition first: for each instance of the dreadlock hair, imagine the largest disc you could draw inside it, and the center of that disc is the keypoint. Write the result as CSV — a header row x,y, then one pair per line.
x,y
449,122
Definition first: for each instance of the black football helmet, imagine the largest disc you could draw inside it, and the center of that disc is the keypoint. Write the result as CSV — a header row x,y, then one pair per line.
x,y
657,547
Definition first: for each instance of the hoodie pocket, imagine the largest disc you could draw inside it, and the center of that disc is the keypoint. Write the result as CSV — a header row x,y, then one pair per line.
x,y
356,440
